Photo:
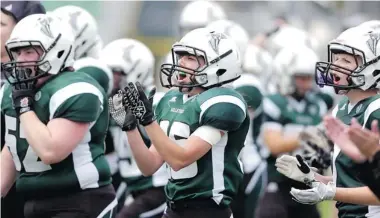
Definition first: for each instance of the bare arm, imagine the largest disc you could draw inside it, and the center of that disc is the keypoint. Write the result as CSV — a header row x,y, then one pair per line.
x,y
277,143
177,156
148,159
359,195
8,171
56,140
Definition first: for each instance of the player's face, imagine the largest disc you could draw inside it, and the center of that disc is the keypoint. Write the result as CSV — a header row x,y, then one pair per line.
x,y
304,83
347,61
190,62
7,25
28,55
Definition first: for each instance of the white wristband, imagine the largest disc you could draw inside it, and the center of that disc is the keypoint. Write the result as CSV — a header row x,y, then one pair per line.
x,y
209,134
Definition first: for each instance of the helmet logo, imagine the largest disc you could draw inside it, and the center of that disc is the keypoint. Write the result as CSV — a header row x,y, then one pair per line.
x,y
215,40
45,26
74,19
127,53
372,42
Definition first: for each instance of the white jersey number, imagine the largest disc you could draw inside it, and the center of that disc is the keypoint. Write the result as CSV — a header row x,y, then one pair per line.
x,y
30,162
179,132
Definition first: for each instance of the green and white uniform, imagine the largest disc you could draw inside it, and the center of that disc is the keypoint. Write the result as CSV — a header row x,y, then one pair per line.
x,y
291,116
97,70
344,169
73,96
217,174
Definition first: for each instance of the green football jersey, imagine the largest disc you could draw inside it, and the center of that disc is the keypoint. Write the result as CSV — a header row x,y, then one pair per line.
x,y
344,169
291,116
97,70
73,96
218,173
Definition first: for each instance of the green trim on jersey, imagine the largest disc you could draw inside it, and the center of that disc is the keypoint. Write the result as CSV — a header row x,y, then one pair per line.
x,y
345,169
73,96
218,173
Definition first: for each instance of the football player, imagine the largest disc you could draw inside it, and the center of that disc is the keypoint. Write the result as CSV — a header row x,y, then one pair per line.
x,y
56,121
286,115
134,61
200,128
352,68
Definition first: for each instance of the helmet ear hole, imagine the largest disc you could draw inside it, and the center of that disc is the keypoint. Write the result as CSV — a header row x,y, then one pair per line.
x,y
60,53
220,72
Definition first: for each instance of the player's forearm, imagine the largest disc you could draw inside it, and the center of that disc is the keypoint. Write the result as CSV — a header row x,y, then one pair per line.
x,y
281,144
359,195
8,171
173,154
38,136
147,162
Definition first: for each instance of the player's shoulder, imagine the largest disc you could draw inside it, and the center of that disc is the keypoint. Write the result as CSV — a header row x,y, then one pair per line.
x,y
276,99
73,82
220,94
222,108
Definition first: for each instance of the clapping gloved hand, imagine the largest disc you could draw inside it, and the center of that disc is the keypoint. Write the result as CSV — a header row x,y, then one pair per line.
x,y
297,169
23,91
131,104
140,105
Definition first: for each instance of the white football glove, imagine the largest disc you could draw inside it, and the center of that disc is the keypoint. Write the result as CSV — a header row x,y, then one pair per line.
x,y
295,168
318,193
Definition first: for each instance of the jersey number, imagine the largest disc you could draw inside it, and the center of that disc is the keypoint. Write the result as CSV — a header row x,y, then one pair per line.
x,y
179,132
31,161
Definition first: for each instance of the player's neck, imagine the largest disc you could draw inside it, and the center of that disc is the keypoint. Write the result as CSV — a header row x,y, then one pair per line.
x,y
195,91
356,95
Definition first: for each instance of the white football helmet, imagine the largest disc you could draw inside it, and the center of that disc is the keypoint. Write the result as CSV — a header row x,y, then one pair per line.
x,y
234,30
362,41
53,36
221,55
293,61
85,28
133,59
372,24
198,14
289,36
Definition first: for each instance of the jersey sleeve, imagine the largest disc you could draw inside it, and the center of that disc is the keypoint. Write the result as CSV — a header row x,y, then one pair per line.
x,y
80,102
224,112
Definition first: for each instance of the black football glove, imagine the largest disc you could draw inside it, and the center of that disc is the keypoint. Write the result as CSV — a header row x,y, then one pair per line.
x,y
140,105
122,115
23,92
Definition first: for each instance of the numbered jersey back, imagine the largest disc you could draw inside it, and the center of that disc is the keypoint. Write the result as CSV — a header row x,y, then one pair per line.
x,y
217,174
